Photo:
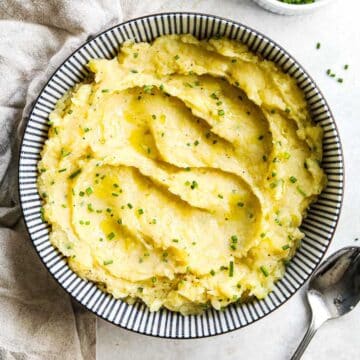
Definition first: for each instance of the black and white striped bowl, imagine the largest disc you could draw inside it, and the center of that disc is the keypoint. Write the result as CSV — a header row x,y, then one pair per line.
x,y
319,226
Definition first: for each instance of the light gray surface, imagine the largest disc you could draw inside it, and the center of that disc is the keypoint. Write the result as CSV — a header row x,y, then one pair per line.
x,y
336,27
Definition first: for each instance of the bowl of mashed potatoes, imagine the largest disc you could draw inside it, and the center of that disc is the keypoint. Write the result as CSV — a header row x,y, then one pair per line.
x,y
189,180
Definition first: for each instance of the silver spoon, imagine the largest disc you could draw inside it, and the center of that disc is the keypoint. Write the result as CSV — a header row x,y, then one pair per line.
x,y
334,290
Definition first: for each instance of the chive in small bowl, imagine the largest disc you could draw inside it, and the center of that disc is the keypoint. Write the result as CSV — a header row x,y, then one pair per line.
x,y
292,7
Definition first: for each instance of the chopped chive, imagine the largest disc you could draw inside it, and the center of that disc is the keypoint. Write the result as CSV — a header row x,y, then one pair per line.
x,y
220,196
233,61
231,269
129,205
90,208
301,191
75,174
273,174
42,214
328,71
264,270
147,88
285,247
287,110
140,211
153,116
134,71
89,191
193,185
153,221
65,153
221,112
81,193
105,90
212,272
240,204
119,221
153,279
214,96
114,194
87,222
234,239
175,240
318,45
264,157
62,170
70,112
346,66
196,142
86,129
274,184
287,155
110,236
218,103
108,262
135,55
262,235
176,57
340,80
161,87
260,137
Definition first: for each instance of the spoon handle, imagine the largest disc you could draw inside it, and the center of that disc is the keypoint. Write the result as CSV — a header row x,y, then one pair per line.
x,y
313,327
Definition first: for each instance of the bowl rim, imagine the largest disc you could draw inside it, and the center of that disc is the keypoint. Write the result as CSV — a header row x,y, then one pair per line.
x,y
26,117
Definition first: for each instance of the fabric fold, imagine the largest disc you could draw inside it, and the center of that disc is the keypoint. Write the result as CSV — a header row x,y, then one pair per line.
x,y
38,319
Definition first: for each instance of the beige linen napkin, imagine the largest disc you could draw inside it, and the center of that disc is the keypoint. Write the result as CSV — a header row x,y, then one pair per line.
x,y
37,318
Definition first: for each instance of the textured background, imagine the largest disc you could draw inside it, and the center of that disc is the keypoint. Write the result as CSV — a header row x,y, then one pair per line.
x,y
276,336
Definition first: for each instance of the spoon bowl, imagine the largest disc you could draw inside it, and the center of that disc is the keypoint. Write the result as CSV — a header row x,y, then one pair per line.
x,y
334,290
337,282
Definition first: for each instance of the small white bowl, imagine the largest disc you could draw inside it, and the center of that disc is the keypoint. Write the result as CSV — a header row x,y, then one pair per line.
x,y
281,8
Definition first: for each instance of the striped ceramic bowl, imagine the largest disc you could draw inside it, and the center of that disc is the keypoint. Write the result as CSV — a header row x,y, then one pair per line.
x,y
319,226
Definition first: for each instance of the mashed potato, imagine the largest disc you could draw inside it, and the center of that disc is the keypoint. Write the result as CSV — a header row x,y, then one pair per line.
x,y
180,175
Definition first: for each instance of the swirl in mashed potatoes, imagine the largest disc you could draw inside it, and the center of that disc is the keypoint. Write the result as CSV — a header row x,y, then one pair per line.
x,y
180,175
